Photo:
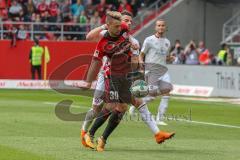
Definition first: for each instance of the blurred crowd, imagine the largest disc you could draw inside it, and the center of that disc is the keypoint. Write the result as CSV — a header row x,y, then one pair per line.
x,y
78,14
199,54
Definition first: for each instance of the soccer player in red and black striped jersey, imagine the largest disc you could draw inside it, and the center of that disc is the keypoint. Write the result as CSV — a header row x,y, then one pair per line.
x,y
116,46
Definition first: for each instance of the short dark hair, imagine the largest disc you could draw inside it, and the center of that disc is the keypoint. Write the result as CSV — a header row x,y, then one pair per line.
x,y
223,45
125,12
36,41
177,41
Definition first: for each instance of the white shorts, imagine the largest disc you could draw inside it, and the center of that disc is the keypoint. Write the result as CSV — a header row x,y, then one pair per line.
x,y
165,78
155,82
99,90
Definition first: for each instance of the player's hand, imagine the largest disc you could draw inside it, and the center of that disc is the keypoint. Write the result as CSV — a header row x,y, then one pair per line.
x,y
135,46
171,58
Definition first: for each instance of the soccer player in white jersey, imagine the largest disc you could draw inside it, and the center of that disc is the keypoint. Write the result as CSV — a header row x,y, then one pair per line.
x,y
155,49
97,102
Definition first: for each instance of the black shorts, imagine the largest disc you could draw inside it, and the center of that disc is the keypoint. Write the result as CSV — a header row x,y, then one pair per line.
x,y
117,90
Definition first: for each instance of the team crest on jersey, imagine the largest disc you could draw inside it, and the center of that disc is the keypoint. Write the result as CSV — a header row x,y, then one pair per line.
x,y
167,45
110,46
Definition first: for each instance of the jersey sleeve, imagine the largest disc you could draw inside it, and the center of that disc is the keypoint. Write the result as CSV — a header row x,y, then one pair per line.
x,y
98,53
102,33
145,46
169,47
135,42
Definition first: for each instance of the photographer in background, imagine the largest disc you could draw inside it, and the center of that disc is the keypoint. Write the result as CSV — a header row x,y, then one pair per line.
x,y
191,54
178,52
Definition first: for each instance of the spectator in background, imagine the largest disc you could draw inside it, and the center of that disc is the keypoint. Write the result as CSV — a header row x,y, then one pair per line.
x,y
3,4
90,8
77,8
54,8
35,59
22,33
42,7
3,13
23,4
53,15
77,29
102,7
229,58
65,9
15,9
222,55
204,54
95,20
83,18
191,54
135,5
13,35
83,22
30,8
37,27
178,52
33,17
45,17
238,61
124,6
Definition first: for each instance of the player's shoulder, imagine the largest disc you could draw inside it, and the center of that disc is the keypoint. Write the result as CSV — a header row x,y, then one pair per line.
x,y
149,38
104,38
103,32
167,42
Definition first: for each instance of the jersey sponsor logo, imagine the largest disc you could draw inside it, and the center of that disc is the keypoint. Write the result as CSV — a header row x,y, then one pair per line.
x,y
113,48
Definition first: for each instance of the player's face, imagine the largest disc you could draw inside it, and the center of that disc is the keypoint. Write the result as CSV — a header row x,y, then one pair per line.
x,y
114,27
128,20
160,27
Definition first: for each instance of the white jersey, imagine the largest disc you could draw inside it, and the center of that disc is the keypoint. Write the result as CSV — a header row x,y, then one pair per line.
x,y
156,50
134,41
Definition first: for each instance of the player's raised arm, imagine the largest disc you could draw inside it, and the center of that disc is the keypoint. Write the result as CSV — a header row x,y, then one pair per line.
x,y
93,70
95,34
95,64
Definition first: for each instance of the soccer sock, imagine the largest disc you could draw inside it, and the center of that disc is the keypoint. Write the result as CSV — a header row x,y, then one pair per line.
x,y
88,120
148,99
147,118
101,118
91,114
162,107
132,109
113,122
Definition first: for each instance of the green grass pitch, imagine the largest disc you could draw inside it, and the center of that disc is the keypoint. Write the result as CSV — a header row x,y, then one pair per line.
x,y
30,130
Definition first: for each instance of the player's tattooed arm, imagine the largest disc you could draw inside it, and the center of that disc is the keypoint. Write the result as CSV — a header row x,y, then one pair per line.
x,y
94,35
93,70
